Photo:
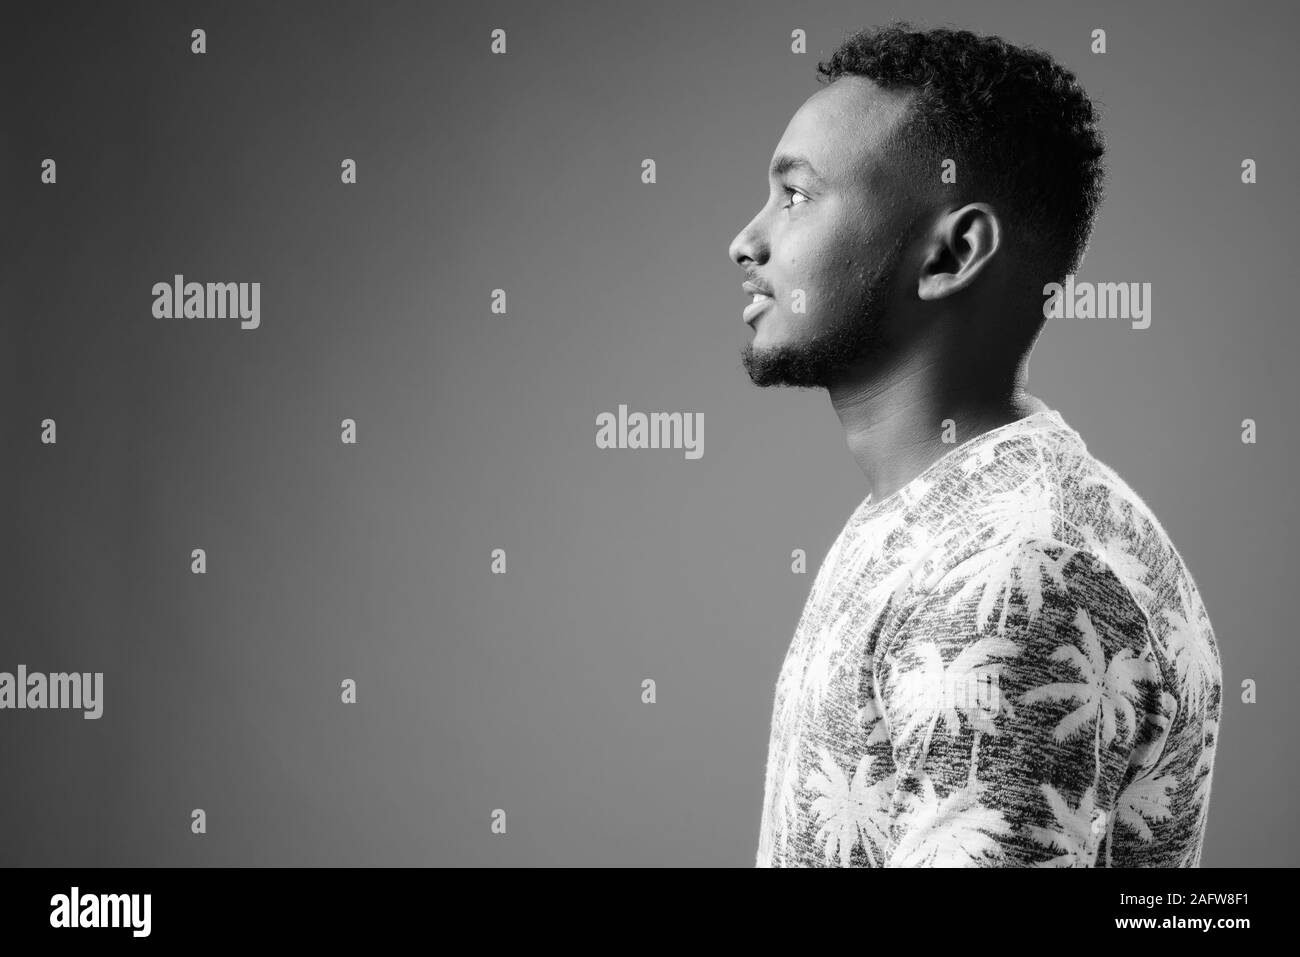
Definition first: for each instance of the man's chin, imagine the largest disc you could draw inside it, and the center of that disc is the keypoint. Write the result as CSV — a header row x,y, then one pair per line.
x,y
779,366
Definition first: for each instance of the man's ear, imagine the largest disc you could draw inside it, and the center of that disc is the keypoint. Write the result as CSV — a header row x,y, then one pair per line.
x,y
960,245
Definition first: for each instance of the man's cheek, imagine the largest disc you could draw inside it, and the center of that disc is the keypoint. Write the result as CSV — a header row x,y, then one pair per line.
x,y
809,303
799,299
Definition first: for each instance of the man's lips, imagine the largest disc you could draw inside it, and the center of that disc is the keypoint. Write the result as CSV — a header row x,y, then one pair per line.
x,y
762,297
754,308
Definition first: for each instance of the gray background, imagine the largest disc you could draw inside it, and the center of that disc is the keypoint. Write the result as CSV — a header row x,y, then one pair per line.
x,y
477,431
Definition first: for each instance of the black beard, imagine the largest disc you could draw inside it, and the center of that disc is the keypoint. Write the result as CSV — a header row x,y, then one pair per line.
x,y
833,355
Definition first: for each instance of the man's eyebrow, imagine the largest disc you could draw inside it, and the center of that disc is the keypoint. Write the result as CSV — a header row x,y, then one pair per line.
x,y
787,162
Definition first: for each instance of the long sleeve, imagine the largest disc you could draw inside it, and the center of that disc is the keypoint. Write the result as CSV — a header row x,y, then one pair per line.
x,y
1017,696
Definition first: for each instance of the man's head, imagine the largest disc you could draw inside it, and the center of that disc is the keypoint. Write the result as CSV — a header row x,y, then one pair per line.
x,y
871,241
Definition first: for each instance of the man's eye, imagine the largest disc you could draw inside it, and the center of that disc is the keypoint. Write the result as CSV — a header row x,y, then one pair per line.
x,y
793,195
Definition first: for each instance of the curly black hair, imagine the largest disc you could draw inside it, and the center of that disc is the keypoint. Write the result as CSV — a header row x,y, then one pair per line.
x,y
1019,125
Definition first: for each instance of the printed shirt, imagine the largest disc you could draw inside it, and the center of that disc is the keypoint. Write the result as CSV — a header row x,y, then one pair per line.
x,y
1004,663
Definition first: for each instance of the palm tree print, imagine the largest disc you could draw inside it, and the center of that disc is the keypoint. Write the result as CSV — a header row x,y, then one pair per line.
x,y
985,575
932,693
1074,834
953,831
1006,663
850,813
825,656
1145,802
1132,570
1106,692
869,718
1198,664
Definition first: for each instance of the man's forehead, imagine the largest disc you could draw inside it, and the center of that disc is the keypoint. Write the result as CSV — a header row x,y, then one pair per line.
x,y
839,128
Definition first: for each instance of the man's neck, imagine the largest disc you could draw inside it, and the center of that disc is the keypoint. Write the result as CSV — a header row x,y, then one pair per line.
x,y
895,424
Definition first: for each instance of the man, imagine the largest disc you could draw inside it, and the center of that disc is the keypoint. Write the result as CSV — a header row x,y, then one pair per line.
x,y
1003,660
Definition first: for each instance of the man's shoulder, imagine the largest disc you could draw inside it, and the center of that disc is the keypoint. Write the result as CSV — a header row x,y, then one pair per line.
x,y
1032,506
1100,512
1038,571
1072,526
1063,516
1062,494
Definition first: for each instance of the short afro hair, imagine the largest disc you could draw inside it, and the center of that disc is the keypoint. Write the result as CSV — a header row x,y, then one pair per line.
x,y
1019,125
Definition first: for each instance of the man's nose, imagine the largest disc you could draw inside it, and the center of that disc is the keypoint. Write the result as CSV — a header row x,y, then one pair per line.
x,y
748,246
